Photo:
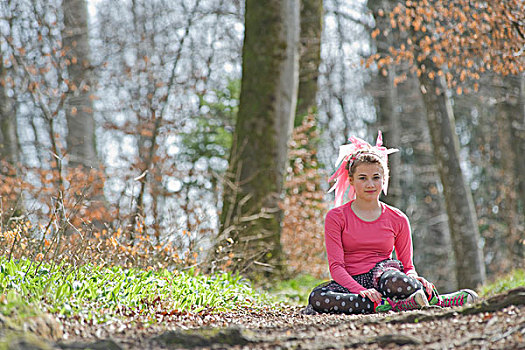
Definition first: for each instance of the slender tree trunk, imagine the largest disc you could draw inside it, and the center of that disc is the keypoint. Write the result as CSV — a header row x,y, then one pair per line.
x,y
391,121
9,147
387,99
8,130
518,126
462,218
79,107
251,216
310,57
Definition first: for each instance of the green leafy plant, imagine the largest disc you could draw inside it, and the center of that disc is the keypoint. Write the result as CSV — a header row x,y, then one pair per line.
x,y
108,291
513,279
295,291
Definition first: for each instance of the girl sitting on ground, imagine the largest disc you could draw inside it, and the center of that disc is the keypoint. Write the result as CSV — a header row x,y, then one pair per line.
x,y
360,237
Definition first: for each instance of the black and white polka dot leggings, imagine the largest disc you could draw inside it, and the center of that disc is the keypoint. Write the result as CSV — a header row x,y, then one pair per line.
x,y
333,298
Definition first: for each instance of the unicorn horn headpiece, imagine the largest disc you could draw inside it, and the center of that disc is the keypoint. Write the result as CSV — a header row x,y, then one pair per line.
x,y
348,153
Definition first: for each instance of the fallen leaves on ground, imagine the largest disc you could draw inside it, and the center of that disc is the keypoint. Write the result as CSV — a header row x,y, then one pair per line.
x,y
289,328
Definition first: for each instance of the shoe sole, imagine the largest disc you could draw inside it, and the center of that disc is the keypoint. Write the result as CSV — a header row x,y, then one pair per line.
x,y
421,299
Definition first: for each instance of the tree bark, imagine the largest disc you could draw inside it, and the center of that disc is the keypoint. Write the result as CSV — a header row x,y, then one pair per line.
x,y
387,100
79,107
413,181
250,216
8,131
433,255
310,58
519,125
462,218
391,124
511,136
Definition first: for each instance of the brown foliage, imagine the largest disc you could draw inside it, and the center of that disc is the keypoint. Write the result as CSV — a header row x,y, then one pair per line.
x,y
462,38
72,192
107,247
303,225
66,223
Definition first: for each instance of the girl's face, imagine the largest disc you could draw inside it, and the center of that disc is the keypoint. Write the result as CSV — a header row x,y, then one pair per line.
x,y
367,181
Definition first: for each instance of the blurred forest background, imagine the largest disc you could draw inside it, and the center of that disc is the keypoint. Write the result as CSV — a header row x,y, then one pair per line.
x,y
159,133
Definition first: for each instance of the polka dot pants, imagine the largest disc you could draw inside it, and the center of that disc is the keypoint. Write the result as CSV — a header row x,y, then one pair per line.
x,y
395,284
331,297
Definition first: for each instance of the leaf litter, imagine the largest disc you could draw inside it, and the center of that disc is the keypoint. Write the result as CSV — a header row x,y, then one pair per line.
x,y
286,327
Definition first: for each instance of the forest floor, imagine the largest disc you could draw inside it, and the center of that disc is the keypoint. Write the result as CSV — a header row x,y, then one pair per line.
x,y
497,322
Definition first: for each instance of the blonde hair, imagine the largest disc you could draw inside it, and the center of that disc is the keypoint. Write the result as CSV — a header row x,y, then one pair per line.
x,y
366,157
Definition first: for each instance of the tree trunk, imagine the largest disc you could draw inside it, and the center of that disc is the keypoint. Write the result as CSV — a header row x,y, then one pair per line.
x,y
8,133
413,181
511,126
518,127
251,217
310,58
79,107
9,149
462,218
387,103
433,255
391,124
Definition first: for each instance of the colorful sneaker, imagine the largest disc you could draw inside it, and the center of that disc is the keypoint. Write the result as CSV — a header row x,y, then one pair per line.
x,y
384,306
435,298
459,298
417,300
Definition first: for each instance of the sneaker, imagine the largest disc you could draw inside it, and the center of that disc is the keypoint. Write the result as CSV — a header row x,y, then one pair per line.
x,y
383,306
417,300
459,298
435,298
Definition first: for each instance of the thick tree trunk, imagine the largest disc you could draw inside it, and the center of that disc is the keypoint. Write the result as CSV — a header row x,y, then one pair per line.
x,y
433,255
310,57
470,268
413,181
79,107
251,217
510,124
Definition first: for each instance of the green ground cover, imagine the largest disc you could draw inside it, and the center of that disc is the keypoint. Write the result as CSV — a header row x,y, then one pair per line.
x,y
295,291
513,279
94,291
100,293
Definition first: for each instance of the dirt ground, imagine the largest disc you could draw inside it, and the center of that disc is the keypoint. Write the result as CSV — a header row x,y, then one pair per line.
x,y
495,323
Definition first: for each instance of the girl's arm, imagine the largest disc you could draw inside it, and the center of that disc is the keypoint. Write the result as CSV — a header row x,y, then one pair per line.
x,y
404,249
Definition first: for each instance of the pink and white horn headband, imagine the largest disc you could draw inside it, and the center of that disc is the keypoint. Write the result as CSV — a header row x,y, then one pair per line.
x,y
347,153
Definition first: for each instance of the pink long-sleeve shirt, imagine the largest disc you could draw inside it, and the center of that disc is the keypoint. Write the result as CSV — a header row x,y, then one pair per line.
x,y
354,246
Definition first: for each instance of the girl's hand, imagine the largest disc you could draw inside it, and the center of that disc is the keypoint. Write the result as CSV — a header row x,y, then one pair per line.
x,y
371,294
426,284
